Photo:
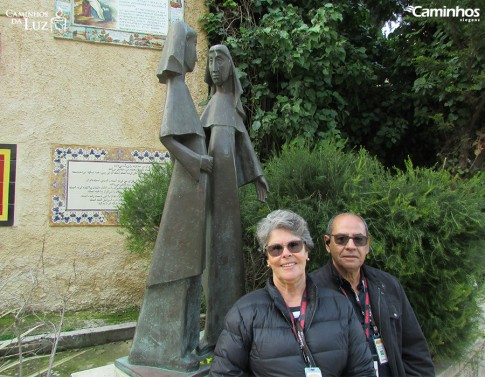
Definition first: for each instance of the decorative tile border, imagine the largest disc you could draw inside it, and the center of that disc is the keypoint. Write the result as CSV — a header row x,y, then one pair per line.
x,y
113,159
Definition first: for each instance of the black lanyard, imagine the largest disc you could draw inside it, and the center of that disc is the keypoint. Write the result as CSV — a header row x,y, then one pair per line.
x,y
297,328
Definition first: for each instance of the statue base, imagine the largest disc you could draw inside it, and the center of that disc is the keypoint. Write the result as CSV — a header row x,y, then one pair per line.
x,y
144,371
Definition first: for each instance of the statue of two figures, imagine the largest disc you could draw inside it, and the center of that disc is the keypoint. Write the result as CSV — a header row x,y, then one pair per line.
x,y
200,229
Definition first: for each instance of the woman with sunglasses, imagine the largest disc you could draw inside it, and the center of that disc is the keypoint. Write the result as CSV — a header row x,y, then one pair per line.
x,y
290,328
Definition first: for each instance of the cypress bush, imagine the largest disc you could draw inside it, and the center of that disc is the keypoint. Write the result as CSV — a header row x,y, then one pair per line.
x,y
427,228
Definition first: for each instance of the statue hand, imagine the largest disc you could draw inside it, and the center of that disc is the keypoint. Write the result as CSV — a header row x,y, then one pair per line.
x,y
207,163
262,188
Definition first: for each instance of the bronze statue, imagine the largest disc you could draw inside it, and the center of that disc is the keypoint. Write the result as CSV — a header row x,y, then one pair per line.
x,y
168,325
235,164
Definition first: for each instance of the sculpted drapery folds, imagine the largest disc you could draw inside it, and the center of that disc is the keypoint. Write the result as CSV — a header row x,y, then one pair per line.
x,y
235,164
201,221
168,325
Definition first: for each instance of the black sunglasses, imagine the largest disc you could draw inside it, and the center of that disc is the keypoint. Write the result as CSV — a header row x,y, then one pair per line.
x,y
293,247
343,239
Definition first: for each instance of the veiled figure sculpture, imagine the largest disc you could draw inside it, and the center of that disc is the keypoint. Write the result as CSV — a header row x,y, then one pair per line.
x,y
235,164
168,326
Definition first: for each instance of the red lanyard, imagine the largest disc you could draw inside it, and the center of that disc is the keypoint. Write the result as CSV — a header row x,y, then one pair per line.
x,y
297,328
366,312
301,318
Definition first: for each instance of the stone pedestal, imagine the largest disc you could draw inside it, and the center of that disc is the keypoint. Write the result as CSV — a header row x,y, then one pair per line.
x,y
131,370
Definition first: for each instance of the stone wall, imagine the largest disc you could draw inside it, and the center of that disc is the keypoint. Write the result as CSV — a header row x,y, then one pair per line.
x,y
55,91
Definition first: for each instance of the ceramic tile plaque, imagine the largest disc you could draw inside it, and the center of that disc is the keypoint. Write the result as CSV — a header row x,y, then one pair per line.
x,y
87,181
8,162
137,23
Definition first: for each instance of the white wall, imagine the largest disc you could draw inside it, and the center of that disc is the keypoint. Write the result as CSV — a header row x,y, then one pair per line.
x,y
55,91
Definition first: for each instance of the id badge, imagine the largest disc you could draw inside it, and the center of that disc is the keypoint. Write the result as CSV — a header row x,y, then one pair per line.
x,y
381,351
313,372
376,368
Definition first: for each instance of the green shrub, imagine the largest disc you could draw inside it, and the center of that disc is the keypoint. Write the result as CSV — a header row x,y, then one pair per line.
x,y
427,228
141,208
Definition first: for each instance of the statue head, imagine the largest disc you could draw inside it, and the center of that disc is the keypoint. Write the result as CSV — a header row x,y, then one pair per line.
x,y
179,52
221,70
219,65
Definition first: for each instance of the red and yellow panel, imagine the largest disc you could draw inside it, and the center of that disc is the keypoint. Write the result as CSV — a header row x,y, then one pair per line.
x,y
8,159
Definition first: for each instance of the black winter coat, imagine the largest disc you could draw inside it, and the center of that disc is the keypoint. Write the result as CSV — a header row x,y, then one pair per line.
x,y
257,339
406,346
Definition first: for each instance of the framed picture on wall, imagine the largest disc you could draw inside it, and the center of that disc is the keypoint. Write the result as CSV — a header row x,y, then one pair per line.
x,y
123,22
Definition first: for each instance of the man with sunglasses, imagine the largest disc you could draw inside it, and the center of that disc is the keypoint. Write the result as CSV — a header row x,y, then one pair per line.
x,y
395,338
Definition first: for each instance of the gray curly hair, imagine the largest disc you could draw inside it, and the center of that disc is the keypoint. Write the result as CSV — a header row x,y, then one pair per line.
x,y
283,219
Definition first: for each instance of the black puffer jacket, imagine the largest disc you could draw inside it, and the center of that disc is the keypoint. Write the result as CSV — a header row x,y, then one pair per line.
x,y
257,339
406,346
